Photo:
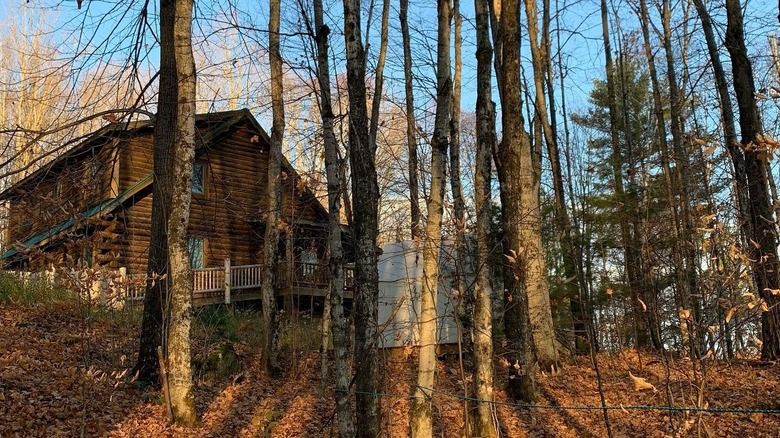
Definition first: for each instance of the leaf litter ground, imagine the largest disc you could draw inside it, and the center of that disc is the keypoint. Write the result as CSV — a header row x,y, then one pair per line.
x,y
63,372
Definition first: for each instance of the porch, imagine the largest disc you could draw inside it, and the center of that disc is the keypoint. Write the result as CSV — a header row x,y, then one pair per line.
x,y
229,284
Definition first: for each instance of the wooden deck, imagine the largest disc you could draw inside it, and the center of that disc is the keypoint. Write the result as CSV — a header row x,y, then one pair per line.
x,y
229,284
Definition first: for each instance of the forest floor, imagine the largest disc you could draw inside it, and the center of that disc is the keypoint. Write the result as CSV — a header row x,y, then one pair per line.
x,y
63,373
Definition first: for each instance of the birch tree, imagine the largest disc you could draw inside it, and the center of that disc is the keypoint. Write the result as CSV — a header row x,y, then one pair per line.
x,y
182,399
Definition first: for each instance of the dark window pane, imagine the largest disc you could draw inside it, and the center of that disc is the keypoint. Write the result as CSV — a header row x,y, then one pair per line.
x,y
197,178
195,248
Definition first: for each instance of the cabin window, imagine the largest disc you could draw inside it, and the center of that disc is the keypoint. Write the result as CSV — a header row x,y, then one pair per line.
x,y
94,169
198,180
195,246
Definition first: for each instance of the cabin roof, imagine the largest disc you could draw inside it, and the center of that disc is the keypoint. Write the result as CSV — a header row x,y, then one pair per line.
x,y
222,123
60,228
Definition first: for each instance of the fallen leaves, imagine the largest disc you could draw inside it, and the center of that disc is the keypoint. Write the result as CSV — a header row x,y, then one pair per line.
x,y
641,384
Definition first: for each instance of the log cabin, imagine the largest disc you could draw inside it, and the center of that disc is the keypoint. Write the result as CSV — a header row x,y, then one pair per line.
x,y
91,207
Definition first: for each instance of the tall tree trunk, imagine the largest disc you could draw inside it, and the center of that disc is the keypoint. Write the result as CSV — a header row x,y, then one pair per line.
x,y
156,297
422,421
339,324
541,64
379,80
518,182
274,190
631,258
728,123
687,298
411,122
663,148
765,269
482,324
365,198
465,310
182,399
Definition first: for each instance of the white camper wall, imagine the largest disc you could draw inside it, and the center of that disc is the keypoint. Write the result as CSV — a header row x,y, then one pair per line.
x,y
400,281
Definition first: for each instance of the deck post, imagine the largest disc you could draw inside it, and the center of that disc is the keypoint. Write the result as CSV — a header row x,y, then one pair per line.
x,y
227,281
123,286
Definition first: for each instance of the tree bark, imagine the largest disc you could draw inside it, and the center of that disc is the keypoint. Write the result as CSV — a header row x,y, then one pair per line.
x,y
156,296
379,80
411,122
339,324
518,183
663,148
541,64
273,213
765,267
631,258
365,198
482,324
182,399
683,163
728,123
422,421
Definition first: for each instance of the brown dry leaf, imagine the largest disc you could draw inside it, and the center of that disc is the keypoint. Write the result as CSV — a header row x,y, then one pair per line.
x,y
610,291
644,306
773,291
764,306
685,314
709,150
641,384
731,313
700,142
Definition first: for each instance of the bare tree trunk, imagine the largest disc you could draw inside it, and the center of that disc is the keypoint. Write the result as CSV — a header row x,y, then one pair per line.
x,y
156,296
765,269
421,420
729,130
411,122
517,181
339,324
182,399
663,148
379,80
540,61
687,298
482,324
631,258
365,198
274,188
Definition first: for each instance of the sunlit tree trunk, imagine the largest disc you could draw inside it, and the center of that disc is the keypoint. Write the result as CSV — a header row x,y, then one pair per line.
x,y
365,199
540,60
339,324
182,398
421,419
274,191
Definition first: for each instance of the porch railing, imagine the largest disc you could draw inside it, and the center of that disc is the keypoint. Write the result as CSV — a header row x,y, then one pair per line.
x,y
210,283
